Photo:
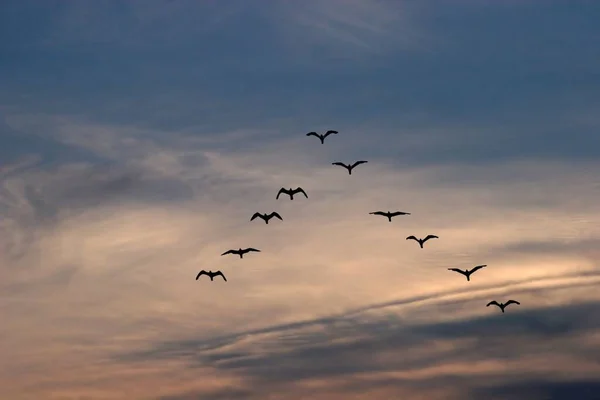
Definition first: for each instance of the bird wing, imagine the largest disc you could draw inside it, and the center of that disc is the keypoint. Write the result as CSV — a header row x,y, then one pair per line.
x,y
412,237
282,190
313,134
398,213
511,302
203,272
340,164
379,213
478,268
460,271
276,215
219,273
493,302
329,133
259,215
230,252
358,163
300,190
430,237
249,249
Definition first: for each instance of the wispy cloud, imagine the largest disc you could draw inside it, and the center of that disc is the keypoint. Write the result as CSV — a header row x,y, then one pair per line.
x,y
352,30
136,140
129,264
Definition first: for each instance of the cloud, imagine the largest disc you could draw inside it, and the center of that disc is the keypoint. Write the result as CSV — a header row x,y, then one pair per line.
x,y
348,30
108,254
364,350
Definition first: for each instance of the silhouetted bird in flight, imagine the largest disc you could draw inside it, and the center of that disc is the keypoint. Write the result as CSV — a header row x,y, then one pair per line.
x,y
291,192
389,215
322,137
421,241
210,274
502,305
266,217
349,167
240,252
467,272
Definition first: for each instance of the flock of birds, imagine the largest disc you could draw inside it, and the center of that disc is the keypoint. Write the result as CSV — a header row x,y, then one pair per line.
x,y
388,214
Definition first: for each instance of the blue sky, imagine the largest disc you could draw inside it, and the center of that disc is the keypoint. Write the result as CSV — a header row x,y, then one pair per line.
x,y
138,137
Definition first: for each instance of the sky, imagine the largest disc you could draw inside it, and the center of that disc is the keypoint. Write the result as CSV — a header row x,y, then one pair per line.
x,y
138,137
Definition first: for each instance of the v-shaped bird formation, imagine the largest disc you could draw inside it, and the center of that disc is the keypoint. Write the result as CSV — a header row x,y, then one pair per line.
x,y
388,214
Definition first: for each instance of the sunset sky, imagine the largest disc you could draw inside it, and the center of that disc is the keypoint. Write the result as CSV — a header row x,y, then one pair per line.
x,y
138,137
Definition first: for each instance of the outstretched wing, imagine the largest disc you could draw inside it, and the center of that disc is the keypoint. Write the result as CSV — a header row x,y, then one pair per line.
x,y
282,190
313,134
379,213
219,273
412,237
231,252
329,133
203,272
257,215
493,302
478,268
249,249
511,302
430,237
341,164
300,190
460,271
398,213
276,215
358,163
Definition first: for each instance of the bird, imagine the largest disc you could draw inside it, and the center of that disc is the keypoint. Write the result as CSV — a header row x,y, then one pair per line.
x,y
240,252
421,241
389,215
322,137
291,192
266,217
349,167
467,272
210,274
502,305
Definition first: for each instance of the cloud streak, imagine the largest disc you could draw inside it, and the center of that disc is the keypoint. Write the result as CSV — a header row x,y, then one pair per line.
x,y
129,266
137,141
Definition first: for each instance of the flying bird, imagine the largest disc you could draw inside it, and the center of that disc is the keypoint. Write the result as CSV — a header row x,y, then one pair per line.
x,y
322,137
389,215
210,274
266,217
502,305
467,272
421,241
291,192
349,167
240,252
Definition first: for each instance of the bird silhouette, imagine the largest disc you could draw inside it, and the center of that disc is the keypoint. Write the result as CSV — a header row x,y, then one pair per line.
x,y
266,217
210,274
467,272
291,192
502,305
240,252
421,241
322,137
349,167
389,215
